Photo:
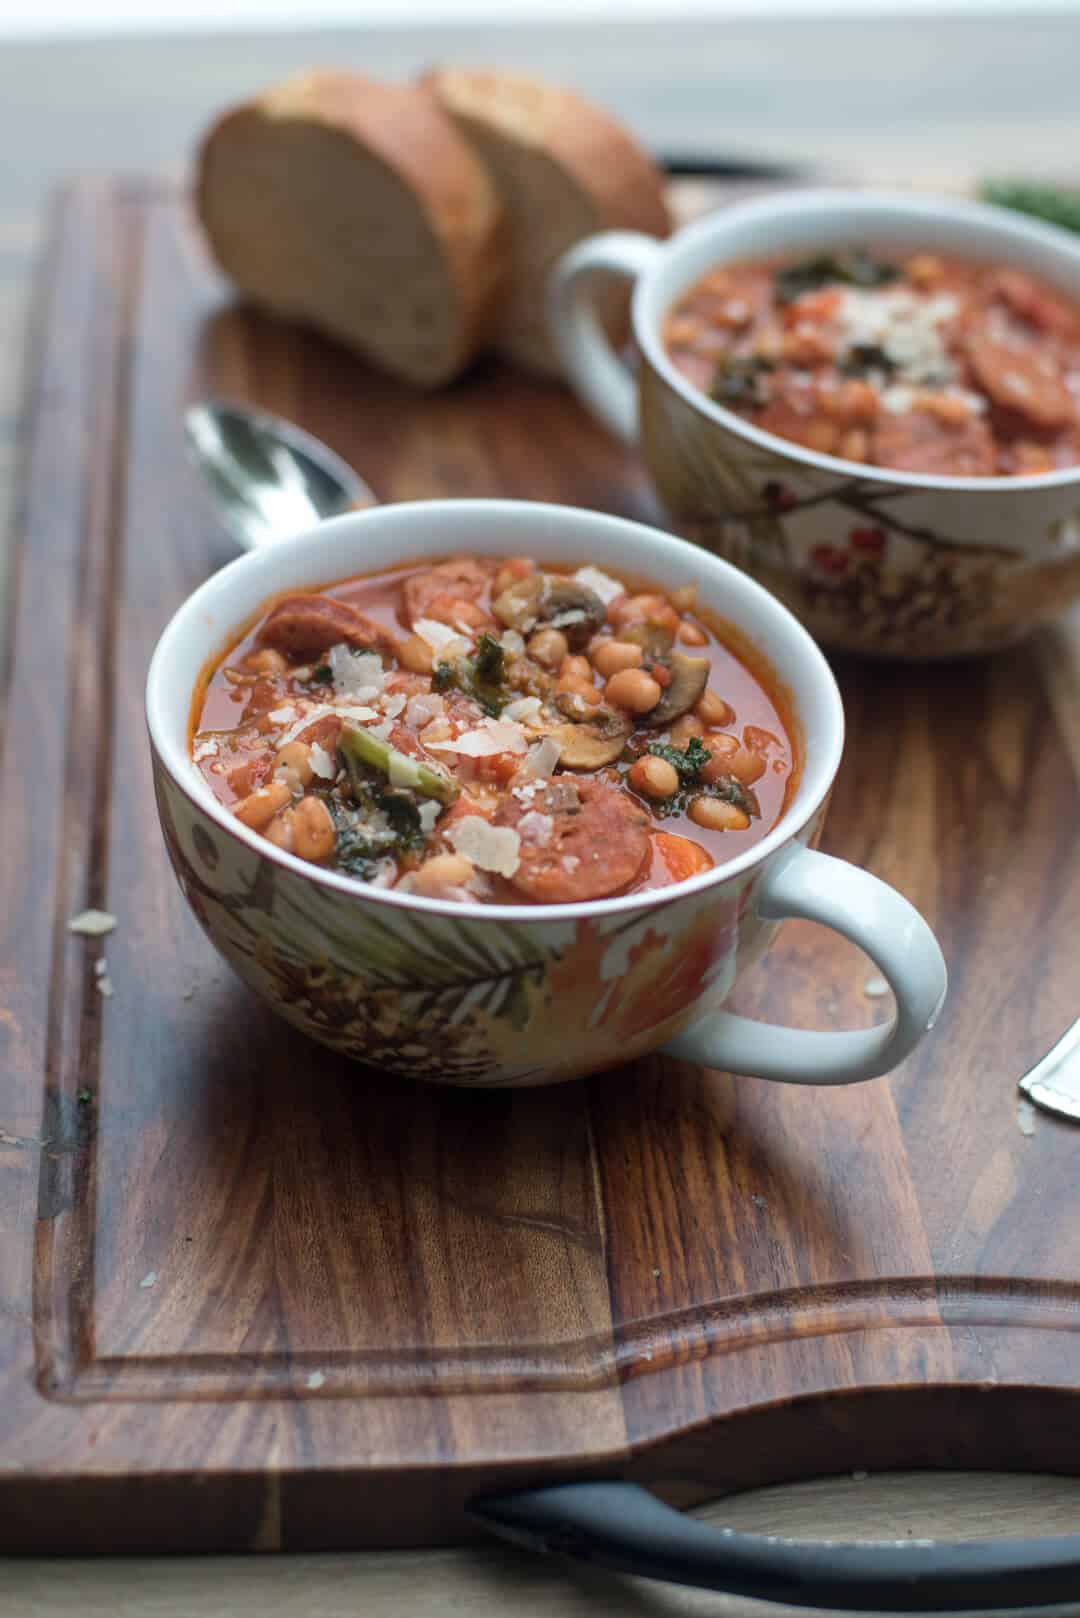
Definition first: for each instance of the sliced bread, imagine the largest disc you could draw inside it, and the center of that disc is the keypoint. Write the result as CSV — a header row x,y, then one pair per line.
x,y
563,169
358,208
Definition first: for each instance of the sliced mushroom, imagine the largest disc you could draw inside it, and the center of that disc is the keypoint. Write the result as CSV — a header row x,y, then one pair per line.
x,y
594,742
519,606
548,598
575,609
574,706
655,640
689,677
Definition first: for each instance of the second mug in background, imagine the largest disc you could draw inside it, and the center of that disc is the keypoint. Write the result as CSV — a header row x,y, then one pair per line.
x,y
961,565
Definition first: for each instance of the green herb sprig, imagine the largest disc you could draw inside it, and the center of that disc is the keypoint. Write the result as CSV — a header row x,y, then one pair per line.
x,y
1050,203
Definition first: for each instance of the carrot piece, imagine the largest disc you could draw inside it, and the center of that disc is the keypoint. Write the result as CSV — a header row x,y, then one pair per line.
x,y
682,857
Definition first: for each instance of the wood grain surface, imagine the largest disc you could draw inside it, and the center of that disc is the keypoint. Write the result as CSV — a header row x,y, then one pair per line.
x,y
256,1298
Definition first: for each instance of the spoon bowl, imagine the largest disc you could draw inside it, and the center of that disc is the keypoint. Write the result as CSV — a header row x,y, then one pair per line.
x,y
267,478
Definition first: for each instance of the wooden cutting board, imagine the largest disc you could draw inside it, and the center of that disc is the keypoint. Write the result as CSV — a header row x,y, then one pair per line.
x,y
254,1297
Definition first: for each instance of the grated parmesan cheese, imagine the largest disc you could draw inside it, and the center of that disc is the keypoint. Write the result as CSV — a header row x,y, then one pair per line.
x,y
307,717
207,748
92,923
493,736
322,764
422,709
535,827
904,324
491,848
542,759
897,399
446,642
356,674
527,708
599,583
429,811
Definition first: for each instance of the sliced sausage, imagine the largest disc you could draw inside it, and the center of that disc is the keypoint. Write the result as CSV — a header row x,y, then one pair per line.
x,y
322,732
793,412
413,685
441,592
918,441
303,626
1030,302
585,840
1020,379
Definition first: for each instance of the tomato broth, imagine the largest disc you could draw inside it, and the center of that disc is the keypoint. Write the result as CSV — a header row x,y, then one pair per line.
x,y
922,363
496,731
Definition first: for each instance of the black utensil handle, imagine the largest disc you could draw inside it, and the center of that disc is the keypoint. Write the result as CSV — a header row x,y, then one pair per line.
x,y
623,1527
699,165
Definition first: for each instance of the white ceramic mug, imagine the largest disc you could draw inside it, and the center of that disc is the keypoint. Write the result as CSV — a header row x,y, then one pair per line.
x,y
516,995
901,563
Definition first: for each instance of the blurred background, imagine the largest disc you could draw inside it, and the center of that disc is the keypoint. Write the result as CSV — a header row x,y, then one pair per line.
x,y
238,13
934,90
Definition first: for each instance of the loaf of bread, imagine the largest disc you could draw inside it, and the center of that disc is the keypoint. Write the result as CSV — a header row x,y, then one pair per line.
x,y
359,209
564,169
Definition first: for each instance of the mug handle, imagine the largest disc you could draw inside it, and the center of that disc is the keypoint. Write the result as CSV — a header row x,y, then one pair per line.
x,y
591,365
800,882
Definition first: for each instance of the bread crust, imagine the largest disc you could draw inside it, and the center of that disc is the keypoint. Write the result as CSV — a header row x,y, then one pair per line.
x,y
602,156
617,183
408,133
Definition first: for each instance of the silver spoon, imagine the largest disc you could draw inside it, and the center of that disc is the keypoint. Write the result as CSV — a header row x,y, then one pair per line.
x,y
267,478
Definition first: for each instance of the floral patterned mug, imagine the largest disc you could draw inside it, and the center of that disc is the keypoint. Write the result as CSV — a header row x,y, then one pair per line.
x,y
522,995
896,563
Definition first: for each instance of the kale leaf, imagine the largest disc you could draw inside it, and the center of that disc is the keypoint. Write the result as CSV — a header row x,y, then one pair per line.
x,y
738,381
687,762
863,357
855,268
479,677
381,826
380,822
731,789
490,660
